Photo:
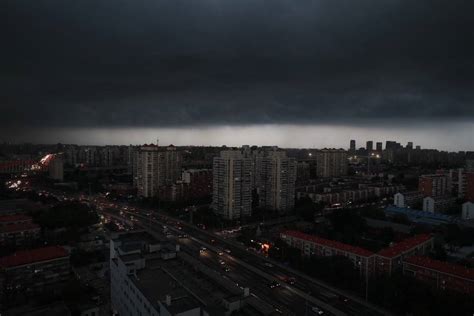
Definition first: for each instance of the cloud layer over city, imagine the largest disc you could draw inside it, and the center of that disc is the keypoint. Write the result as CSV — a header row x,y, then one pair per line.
x,y
157,63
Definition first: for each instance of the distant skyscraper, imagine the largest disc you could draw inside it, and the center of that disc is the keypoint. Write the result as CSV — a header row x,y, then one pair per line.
x,y
392,145
379,146
352,147
410,145
370,146
331,163
232,184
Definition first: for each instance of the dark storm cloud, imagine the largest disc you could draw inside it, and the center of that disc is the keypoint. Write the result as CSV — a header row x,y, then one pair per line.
x,y
181,62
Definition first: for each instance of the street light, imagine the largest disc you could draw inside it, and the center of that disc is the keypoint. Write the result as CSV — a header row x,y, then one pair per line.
x,y
372,155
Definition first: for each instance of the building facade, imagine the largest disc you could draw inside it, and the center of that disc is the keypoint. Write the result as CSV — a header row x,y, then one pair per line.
x,y
315,246
438,204
433,185
385,261
331,163
232,184
153,167
276,177
408,199
440,275
29,272
467,211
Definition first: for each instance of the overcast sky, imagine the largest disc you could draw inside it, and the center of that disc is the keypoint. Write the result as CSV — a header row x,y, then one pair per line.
x,y
189,64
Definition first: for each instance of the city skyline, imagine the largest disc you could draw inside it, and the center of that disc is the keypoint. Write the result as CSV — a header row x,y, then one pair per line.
x,y
455,137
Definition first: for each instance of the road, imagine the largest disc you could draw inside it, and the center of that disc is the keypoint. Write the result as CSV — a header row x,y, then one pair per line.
x,y
246,267
292,298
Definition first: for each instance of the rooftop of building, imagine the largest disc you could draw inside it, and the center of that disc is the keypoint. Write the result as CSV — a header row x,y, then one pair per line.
x,y
330,243
443,267
23,257
184,278
417,214
14,218
441,198
434,175
136,236
404,246
156,292
411,193
18,227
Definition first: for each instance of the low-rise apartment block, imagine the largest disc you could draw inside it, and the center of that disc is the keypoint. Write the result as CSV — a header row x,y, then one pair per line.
x,y
18,230
29,272
441,275
386,260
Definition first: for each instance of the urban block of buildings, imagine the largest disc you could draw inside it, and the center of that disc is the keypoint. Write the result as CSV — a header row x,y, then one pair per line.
x,y
18,230
386,260
150,276
27,273
440,275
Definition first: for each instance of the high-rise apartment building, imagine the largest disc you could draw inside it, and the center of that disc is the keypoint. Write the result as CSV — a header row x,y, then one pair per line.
x,y
276,174
170,165
469,192
232,184
153,167
331,163
433,185
378,146
352,147
370,146
56,168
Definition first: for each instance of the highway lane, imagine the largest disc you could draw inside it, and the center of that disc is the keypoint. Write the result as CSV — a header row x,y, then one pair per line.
x,y
296,299
342,302
283,300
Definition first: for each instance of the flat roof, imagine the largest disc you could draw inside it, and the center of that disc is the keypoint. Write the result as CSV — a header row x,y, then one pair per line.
x,y
18,227
443,267
155,292
330,243
14,218
403,246
136,236
23,257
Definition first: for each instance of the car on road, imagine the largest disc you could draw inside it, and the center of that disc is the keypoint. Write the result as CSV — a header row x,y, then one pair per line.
x,y
222,262
226,269
317,310
220,253
273,284
291,280
268,264
227,250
